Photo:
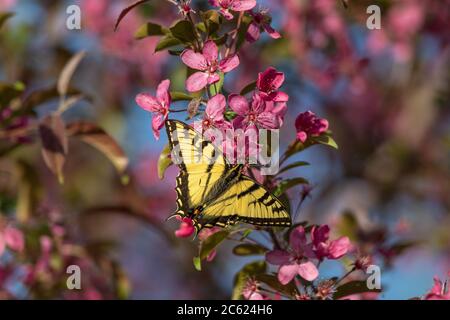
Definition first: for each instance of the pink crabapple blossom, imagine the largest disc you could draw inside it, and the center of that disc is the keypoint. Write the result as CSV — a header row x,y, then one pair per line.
x,y
214,111
268,83
252,114
295,261
308,124
158,105
234,5
439,291
12,238
208,64
261,21
323,248
186,228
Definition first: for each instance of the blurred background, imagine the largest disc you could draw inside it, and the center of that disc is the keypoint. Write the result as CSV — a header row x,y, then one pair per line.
x,y
386,94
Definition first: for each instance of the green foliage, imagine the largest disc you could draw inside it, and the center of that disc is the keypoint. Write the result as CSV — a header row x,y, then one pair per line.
x,y
271,280
164,161
167,41
248,249
183,31
352,287
150,29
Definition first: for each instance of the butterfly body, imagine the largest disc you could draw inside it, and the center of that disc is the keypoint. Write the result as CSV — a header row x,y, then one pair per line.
x,y
213,192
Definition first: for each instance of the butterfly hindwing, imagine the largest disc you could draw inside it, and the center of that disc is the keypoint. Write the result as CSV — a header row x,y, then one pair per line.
x,y
246,201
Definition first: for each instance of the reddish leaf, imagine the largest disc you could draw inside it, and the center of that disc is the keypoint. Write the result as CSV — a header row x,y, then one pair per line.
x,y
95,136
126,11
54,144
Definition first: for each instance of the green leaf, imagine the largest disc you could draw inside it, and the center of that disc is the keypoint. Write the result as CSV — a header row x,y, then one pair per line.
x,y
246,234
212,20
248,88
175,52
230,115
201,26
215,88
197,263
348,225
54,144
167,42
164,161
325,139
183,31
247,249
352,287
150,29
5,16
180,96
271,280
285,185
293,165
246,20
211,243
249,270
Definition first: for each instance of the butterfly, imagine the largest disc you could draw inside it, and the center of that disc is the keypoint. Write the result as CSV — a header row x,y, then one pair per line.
x,y
213,192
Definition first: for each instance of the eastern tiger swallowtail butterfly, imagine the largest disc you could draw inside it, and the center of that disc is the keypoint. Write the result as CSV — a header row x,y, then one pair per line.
x,y
217,193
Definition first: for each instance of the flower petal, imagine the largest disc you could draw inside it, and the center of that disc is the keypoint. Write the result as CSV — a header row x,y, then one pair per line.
x,y
197,81
210,51
320,234
278,257
243,5
213,78
253,32
14,239
287,272
268,120
162,93
339,247
216,107
157,123
147,102
297,239
279,96
239,104
308,271
228,64
194,60
271,32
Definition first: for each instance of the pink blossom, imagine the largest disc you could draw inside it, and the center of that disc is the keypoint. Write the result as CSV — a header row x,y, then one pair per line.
x,y
213,116
14,239
252,114
186,228
308,124
268,84
439,291
261,21
208,64
294,262
328,249
158,105
205,234
234,5
251,290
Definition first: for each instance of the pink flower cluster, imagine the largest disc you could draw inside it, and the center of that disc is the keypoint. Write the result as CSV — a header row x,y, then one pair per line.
x,y
11,238
440,290
297,259
309,125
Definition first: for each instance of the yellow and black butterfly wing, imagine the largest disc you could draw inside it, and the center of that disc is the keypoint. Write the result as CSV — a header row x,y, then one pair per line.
x,y
201,165
248,202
